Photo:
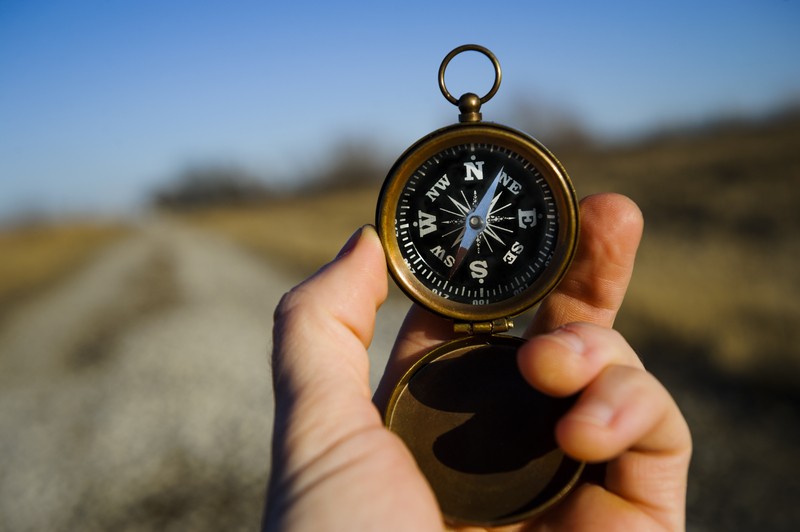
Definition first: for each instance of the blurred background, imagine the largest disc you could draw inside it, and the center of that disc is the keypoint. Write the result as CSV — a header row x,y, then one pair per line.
x,y
168,170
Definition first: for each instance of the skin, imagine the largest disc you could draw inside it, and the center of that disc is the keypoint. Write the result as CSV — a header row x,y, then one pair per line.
x,y
335,467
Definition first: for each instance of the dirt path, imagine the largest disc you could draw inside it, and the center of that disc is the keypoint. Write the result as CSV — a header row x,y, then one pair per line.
x,y
136,394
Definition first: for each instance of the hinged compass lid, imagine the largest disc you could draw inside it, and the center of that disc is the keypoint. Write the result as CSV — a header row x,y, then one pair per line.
x,y
481,435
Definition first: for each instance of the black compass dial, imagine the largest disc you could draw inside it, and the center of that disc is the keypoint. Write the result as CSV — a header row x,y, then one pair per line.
x,y
476,223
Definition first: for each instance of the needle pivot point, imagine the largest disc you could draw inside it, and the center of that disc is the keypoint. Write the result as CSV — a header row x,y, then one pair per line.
x,y
476,222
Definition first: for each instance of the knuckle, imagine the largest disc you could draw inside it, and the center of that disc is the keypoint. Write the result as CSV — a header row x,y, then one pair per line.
x,y
289,305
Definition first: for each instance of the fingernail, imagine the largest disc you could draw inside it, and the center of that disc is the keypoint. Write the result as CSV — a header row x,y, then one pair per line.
x,y
350,244
596,413
569,338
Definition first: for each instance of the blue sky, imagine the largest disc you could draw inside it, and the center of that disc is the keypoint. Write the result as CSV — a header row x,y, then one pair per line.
x,y
102,100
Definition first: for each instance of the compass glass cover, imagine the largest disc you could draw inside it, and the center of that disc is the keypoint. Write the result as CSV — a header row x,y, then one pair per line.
x,y
477,223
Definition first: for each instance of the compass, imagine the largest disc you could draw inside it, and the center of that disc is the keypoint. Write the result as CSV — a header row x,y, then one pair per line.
x,y
479,222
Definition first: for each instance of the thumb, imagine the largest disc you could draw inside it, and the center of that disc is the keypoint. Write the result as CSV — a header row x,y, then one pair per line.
x,y
321,332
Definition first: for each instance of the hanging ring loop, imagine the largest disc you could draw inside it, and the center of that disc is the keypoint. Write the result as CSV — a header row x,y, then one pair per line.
x,y
476,48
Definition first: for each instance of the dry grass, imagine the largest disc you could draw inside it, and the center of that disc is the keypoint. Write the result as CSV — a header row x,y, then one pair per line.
x,y
300,233
36,255
739,305
717,267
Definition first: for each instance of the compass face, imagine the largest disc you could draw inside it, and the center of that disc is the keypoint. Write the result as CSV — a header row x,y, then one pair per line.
x,y
477,223
514,235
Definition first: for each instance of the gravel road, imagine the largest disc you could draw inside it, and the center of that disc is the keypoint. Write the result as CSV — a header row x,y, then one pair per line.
x,y
136,395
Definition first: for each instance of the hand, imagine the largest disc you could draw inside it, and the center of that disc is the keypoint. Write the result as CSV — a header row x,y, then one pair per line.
x,y
335,467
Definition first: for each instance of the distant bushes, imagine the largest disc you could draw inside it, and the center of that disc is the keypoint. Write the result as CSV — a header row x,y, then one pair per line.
x,y
350,164
209,186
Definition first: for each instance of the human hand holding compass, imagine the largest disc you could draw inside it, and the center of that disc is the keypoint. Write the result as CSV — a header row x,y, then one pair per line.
x,y
334,465
479,415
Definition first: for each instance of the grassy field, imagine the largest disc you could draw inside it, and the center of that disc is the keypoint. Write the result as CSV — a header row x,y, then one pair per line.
x,y
37,254
718,263
300,233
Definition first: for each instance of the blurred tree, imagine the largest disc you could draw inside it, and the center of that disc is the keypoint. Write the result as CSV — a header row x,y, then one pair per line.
x,y
213,185
552,123
351,163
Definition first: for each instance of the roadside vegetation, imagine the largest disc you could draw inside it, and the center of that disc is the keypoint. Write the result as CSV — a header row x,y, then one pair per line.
x,y
37,254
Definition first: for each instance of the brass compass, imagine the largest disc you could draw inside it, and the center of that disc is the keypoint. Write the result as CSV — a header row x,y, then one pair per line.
x,y
479,222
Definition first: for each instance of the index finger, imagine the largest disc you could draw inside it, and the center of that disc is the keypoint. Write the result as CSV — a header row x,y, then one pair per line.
x,y
594,287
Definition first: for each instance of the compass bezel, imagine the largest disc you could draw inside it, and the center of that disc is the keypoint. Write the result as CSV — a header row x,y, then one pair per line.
x,y
527,148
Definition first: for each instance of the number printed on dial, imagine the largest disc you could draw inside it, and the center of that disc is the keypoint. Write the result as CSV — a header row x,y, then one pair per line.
x,y
476,223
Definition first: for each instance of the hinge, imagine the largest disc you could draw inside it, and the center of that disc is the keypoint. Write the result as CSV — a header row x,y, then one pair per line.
x,y
499,325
